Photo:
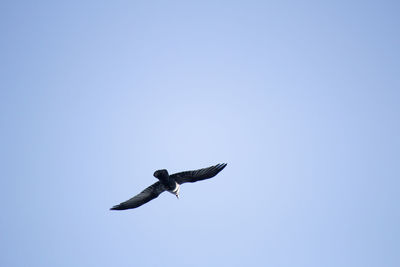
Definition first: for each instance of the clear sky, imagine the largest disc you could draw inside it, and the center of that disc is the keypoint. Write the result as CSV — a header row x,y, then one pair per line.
x,y
300,98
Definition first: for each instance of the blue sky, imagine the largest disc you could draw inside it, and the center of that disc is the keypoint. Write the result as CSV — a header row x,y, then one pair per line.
x,y
301,99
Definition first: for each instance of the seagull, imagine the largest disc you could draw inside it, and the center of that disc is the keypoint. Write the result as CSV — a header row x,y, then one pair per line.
x,y
170,183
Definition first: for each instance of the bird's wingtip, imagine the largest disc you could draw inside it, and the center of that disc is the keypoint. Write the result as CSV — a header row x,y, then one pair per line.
x,y
222,165
116,207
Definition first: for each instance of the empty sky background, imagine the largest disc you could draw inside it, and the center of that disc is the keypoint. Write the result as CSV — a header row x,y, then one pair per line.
x,y
300,98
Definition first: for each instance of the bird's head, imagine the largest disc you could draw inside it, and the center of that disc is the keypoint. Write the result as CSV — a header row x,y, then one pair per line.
x,y
161,173
176,191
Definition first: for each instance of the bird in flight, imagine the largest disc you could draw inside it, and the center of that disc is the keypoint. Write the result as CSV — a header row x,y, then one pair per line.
x,y
170,183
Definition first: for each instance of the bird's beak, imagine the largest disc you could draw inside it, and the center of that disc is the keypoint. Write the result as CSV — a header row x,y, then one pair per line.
x,y
177,196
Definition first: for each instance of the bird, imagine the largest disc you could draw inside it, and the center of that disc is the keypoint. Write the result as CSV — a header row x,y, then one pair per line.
x,y
170,183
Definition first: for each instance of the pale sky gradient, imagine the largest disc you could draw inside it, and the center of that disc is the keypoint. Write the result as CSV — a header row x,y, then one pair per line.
x,y
300,98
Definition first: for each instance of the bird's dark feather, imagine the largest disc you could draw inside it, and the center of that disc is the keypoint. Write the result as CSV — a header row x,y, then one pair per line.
x,y
197,175
143,197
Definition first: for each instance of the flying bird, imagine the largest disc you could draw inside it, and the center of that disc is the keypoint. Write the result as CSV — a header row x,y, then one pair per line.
x,y
170,183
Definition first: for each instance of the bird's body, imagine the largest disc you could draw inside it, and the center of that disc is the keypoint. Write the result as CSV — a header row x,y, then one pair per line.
x,y
175,191
170,183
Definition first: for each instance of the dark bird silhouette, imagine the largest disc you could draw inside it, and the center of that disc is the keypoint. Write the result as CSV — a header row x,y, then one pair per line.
x,y
170,183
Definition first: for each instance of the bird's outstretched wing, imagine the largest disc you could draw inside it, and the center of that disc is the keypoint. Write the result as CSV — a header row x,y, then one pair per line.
x,y
143,197
198,175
